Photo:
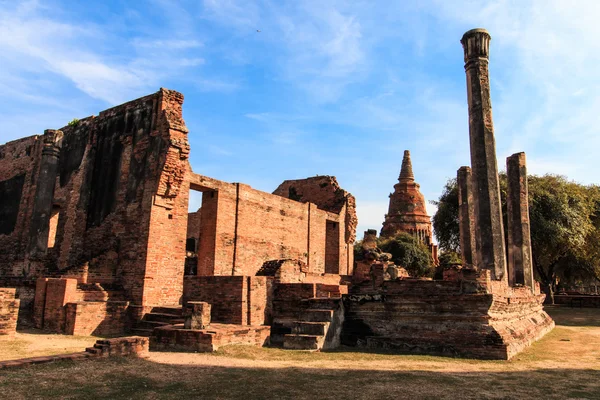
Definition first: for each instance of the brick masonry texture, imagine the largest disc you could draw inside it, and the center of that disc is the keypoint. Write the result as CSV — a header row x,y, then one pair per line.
x,y
241,228
440,317
243,300
9,311
175,338
121,169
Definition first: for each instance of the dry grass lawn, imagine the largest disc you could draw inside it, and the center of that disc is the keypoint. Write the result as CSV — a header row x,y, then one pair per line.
x,y
35,344
563,365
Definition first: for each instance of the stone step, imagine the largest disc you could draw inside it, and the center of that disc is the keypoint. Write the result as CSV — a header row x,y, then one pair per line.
x,y
162,317
172,310
93,350
302,342
322,303
143,324
142,332
276,339
310,328
311,315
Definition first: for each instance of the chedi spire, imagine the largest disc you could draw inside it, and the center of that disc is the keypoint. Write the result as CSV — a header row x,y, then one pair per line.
x,y
406,173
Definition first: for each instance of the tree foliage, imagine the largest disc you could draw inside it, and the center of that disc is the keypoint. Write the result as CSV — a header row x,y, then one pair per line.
x,y
408,252
564,224
448,258
445,220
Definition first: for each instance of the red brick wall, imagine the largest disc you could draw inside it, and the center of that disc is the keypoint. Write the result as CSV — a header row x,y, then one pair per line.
x,y
332,247
234,299
268,228
193,226
9,311
19,157
96,318
251,227
208,232
58,293
149,207
316,245
227,296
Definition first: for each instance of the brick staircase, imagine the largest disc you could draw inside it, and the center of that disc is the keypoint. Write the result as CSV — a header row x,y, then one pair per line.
x,y
158,316
315,325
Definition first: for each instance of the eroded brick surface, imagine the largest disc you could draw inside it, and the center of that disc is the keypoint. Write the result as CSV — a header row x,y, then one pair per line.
x,y
9,311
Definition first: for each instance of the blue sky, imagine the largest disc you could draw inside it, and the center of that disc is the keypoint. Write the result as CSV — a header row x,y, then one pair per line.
x,y
327,87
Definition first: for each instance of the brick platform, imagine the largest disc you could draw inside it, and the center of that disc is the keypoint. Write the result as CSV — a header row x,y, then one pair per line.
x,y
445,318
176,338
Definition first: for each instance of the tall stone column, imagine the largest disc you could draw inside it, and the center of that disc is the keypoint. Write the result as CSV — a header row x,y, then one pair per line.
x,y
490,246
44,194
466,216
520,267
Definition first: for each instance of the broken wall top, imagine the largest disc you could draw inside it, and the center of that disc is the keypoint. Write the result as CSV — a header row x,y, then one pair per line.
x,y
326,193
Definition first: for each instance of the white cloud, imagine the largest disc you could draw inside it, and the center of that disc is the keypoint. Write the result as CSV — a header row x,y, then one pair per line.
x,y
549,85
99,64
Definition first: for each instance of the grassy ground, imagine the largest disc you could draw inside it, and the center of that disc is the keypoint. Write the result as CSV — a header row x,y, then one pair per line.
x,y
35,344
565,364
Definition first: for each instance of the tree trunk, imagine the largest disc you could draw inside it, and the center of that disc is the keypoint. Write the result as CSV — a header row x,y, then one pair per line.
x,y
549,291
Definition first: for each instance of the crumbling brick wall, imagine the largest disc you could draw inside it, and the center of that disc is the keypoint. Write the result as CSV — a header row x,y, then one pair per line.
x,y
326,193
242,228
244,300
98,318
117,207
9,311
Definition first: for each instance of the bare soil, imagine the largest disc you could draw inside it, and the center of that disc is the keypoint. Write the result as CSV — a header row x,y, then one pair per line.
x,y
563,365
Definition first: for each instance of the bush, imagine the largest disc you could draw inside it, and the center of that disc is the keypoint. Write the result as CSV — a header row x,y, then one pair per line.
x,y
408,252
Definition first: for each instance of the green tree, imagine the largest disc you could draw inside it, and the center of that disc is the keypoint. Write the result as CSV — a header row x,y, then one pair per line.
x,y
560,214
448,258
445,220
408,252
358,251
564,224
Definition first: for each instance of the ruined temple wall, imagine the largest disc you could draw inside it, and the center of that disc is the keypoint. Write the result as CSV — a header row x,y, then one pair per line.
x,y
249,227
98,318
116,194
270,228
243,300
9,311
317,240
445,318
19,165
194,221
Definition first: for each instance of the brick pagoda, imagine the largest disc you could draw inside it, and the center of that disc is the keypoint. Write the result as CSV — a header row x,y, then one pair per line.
x,y
407,211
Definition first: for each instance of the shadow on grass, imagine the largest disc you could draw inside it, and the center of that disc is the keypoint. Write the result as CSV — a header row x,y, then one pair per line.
x,y
567,316
142,379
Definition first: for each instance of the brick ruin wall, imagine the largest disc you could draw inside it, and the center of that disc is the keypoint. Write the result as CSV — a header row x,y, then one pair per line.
x,y
66,306
121,169
243,300
456,318
9,311
242,228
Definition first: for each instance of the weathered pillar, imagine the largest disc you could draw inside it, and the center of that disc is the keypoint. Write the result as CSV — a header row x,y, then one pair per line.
x,y
466,216
490,246
44,194
520,268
